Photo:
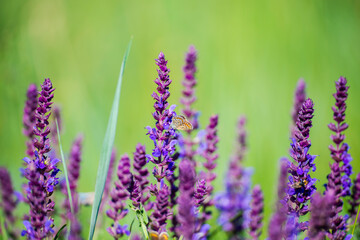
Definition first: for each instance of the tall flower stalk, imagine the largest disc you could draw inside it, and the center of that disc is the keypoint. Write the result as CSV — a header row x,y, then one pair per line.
x,y
29,118
75,159
301,185
339,177
119,195
186,143
41,171
164,138
162,135
8,201
233,204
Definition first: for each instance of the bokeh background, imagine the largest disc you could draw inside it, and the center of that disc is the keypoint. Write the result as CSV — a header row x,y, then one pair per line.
x,y
251,54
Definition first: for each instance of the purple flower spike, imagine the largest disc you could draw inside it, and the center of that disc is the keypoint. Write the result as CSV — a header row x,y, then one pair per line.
x,y
299,99
301,185
74,172
163,134
186,216
29,118
339,177
141,174
119,195
41,170
321,211
256,213
210,155
189,84
161,211
355,197
8,202
278,219
234,202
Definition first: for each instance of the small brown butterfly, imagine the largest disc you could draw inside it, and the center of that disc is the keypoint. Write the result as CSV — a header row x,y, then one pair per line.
x,y
155,236
181,123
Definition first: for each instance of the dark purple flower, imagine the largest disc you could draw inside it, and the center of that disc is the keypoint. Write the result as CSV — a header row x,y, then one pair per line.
x,y
108,181
256,213
186,202
73,175
41,170
339,151
301,185
355,197
321,211
299,99
278,219
209,154
8,202
141,174
119,195
201,192
161,209
29,118
135,195
162,135
189,83
234,202
339,177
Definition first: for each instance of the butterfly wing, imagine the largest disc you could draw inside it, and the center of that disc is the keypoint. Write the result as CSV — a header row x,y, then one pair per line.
x,y
153,235
164,236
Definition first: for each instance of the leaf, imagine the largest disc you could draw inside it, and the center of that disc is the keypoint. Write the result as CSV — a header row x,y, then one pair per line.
x,y
65,171
106,149
58,232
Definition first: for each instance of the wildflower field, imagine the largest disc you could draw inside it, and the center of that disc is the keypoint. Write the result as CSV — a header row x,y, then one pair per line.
x,y
231,121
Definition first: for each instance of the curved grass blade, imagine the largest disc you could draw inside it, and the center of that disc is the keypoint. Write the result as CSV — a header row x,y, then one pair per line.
x,y
58,232
65,169
106,149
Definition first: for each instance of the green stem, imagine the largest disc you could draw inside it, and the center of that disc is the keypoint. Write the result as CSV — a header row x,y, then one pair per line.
x,y
143,226
356,219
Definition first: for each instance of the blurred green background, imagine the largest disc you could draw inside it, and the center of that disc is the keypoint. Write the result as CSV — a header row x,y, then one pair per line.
x,y
251,54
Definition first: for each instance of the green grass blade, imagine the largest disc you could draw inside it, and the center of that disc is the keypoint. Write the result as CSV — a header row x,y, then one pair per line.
x,y
106,149
58,232
356,219
65,169
2,226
